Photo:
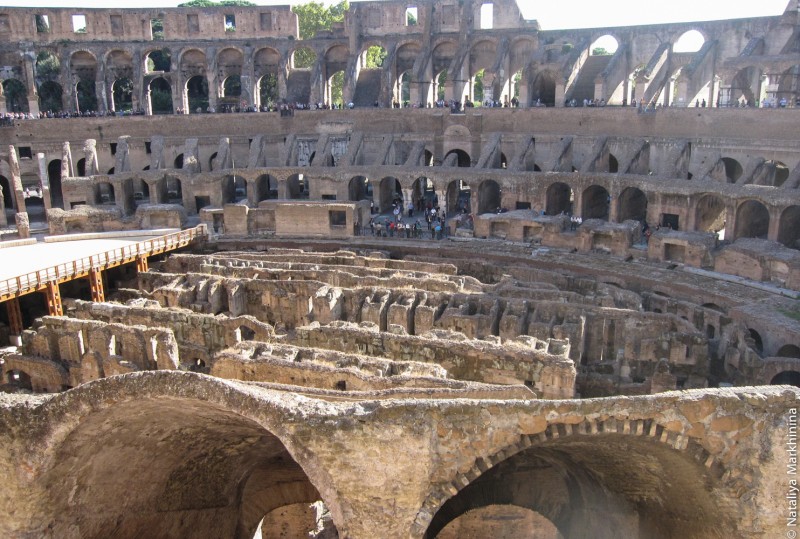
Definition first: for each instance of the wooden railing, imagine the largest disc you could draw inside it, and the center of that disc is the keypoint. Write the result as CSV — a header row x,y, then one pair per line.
x,y
36,280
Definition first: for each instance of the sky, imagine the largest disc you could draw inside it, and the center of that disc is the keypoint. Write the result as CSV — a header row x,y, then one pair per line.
x,y
551,15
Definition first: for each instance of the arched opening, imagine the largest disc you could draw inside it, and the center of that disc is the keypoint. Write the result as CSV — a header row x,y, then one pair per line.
x,y
104,193
19,379
16,96
235,189
335,89
80,166
605,45
177,163
391,193
459,198
752,220
122,95
402,92
54,179
690,41
755,337
778,173
742,91
158,61
788,89
303,58
440,86
266,187
613,164
297,186
212,161
733,169
596,203
239,473
244,333
500,522
51,97
87,98
8,195
478,93
231,94
570,479
423,194
141,191
489,197
789,350
789,227
786,378
559,199
359,188
632,205
710,215
543,90
160,96
268,91
197,94
457,158
174,190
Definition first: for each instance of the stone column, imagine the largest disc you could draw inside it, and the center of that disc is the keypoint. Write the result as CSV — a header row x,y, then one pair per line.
x,y
561,92
67,168
16,180
23,225
774,224
90,156
44,181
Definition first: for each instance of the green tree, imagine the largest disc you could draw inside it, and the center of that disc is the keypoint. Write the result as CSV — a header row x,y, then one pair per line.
x,y
375,57
314,17
600,51
47,65
16,95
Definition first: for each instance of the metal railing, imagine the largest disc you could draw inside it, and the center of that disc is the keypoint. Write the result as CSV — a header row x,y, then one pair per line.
x,y
36,280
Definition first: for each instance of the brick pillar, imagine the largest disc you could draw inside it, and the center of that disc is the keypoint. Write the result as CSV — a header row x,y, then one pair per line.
x,y
14,316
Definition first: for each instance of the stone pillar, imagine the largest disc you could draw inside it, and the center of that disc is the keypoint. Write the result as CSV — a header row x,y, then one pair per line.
x,y
100,91
33,97
774,224
561,92
3,218
213,91
157,152
23,225
90,155
44,181
16,179
67,168
122,161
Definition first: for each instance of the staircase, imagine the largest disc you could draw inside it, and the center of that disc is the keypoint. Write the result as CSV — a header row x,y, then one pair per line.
x,y
584,86
368,88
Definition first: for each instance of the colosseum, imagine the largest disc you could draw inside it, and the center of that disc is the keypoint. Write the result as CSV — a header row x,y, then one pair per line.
x,y
435,272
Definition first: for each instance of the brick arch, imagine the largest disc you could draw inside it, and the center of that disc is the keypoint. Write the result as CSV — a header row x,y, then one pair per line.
x,y
223,415
648,429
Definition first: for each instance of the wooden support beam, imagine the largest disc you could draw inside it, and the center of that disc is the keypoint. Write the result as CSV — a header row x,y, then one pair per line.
x,y
53,293
141,264
96,285
14,316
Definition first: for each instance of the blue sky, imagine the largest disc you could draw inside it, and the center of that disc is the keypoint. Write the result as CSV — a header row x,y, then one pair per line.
x,y
551,15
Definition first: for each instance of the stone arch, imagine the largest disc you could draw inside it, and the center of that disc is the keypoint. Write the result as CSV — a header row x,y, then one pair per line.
x,y
141,191
632,204
19,378
234,189
789,350
778,173
231,93
744,86
457,158
218,456
104,193
160,96
752,220
755,337
543,89
405,57
791,378
733,169
196,94
83,68
441,58
16,95
335,64
710,214
423,193
51,96
558,457
459,197
789,227
158,61
266,187
488,520
490,197
359,188
174,188
122,94
266,66
788,86
559,198
390,191
605,45
689,41
303,58
297,186
595,203
9,202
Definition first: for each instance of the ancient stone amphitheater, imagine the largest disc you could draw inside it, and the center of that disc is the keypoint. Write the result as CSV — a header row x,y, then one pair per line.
x,y
301,371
